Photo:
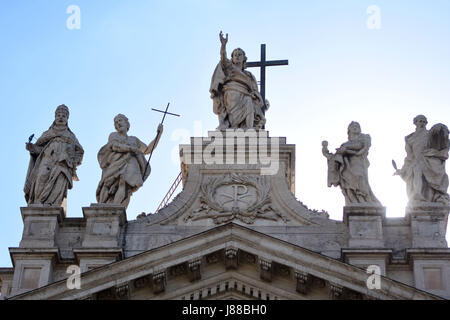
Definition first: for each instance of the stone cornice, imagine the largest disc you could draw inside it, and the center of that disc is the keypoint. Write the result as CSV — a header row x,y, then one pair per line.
x,y
220,238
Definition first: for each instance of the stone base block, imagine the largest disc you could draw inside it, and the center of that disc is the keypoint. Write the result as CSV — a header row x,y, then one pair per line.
x,y
103,225
41,224
428,224
365,225
33,268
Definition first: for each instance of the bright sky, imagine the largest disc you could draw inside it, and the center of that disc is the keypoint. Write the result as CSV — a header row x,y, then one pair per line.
x,y
131,56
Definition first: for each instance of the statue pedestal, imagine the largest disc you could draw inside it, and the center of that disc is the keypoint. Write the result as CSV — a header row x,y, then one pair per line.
x,y
365,224
365,242
428,224
38,252
102,243
236,149
41,224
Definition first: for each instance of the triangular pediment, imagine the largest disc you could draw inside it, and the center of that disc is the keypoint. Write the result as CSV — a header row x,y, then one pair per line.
x,y
227,262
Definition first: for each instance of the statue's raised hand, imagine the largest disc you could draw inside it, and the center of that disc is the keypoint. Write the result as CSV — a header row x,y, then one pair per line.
x,y
222,39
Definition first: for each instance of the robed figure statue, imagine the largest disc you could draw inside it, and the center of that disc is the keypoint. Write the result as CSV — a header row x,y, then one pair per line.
x,y
53,162
348,167
424,166
124,167
236,99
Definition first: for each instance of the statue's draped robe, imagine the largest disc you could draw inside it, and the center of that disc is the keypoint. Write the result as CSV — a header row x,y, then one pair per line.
x,y
350,172
231,90
52,167
117,163
424,169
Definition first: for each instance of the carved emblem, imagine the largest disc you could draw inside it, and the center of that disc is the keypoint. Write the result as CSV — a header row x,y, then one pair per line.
x,y
235,196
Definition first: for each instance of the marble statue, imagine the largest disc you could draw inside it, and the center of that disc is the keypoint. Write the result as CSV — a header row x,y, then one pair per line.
x,y
424,166
236,99
348,167
123,163
53,163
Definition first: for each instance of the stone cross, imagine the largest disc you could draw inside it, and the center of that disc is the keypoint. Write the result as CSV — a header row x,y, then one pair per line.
x,y
263,64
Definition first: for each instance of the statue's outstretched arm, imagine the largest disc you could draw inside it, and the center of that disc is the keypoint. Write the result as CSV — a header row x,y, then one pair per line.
x,y
223,48
152,145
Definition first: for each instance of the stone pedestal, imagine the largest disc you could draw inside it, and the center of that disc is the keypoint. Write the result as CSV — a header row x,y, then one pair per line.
x,y
428,224
33,268
103,225
237,149
102,243
41,224
34,260
365,224
431,267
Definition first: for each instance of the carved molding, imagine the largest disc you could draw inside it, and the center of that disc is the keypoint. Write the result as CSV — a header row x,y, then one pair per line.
x,y
214,257
247,257
142,282
235,196
281,269
178,270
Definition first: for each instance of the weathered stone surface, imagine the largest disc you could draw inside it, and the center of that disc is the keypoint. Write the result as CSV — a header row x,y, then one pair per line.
x,y
181,253
424,166
348,167
103,225
428,224
53,162
218,282
41,225
123,163
237,101
365,225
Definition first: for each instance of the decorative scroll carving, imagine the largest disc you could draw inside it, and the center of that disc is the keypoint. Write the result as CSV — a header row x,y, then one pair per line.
x,y
336,292
304,281
236,196
159,282
123,292
194,270
265,270
231,258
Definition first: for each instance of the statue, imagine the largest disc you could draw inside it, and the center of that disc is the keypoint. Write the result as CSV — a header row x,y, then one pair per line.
x,y
424,166
124,167
53,163
348,167
234,91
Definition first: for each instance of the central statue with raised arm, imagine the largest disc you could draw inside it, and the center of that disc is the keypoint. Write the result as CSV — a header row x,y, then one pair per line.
x,y
237,101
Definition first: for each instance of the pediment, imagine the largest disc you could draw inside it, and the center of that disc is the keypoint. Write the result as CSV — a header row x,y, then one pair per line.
x,y
227,261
